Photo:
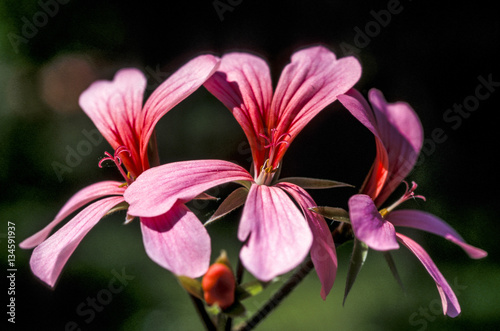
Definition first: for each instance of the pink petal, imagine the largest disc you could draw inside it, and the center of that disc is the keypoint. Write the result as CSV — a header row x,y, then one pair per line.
x,y
176,88
450,303
369,226
49,257
427,222
402,135
276,235
80,199
243,84
177,241
313,80
323,252
115,108
157,190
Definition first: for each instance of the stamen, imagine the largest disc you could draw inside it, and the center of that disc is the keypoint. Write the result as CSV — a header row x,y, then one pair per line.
x,y
117,160
409,194
272,143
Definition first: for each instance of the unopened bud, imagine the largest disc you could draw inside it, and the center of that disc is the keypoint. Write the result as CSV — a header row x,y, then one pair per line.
x,y
219,285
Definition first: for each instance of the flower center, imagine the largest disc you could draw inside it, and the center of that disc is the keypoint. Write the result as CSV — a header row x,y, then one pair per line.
x,y
272,144
409,194
118,162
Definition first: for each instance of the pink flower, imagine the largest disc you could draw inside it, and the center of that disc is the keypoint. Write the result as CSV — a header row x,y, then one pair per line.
x,y
175,239
398,136
277,235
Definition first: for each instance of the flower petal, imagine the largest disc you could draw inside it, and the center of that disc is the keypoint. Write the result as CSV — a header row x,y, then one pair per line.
x,y
451,307
243,84
427,222
49,257
323,252
313,80
402,135
177,241
369,226
176,88
157,190
80,199
277,237
115,108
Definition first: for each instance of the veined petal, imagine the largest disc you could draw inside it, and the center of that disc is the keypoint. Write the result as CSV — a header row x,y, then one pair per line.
x,y
49,257
356,104
115,108
450,303
243,84
276,235
176,88
177,241
313,80
323,252
80,199
401,132
156,190
369,226
427,222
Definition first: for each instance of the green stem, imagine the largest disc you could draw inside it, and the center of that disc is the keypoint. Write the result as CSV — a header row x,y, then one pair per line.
x,y
281,294
200,309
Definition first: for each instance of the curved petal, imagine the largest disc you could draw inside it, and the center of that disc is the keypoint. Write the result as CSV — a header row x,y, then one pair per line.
x,y
401,132
243,84
427,222
323,252
176,88
115,108
80,199
177,241
451,307
369,226
156,190
276,235
49,257
313,79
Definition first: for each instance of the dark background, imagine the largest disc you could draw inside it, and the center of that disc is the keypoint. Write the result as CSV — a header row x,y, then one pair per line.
x,y
427,54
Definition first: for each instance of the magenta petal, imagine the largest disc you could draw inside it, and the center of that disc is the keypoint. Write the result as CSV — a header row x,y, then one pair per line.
x,y
49,257
369,226
323,252
313,79
176,88
156,190
80,199
450,303
243,84
276,235
177,241
427,222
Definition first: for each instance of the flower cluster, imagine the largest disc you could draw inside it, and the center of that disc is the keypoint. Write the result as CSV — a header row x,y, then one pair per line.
x,y
280,223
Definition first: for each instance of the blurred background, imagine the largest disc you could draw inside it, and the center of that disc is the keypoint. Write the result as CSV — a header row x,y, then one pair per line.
x,y
432,55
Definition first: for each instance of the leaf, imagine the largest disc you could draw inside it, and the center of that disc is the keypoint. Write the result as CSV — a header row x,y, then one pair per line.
x,y
358,257
333,213
314,183
191,285
392,266
247,290
234,200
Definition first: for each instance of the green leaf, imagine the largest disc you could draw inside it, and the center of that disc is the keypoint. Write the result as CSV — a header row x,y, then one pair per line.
x,y
191,285
249,289
358,257
333,213
392,266
314,183
234,200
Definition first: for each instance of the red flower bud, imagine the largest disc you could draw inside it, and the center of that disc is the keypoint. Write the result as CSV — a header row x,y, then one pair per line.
x,y
219,285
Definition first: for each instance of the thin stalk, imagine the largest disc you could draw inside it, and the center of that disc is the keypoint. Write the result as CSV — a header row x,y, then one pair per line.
x,y
200,309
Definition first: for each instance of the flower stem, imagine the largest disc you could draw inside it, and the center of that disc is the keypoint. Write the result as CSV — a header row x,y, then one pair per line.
x,y
281,294
200,309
